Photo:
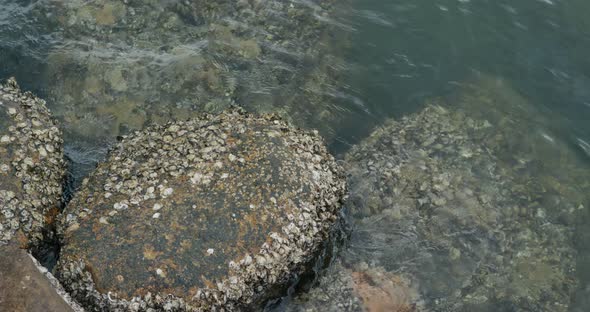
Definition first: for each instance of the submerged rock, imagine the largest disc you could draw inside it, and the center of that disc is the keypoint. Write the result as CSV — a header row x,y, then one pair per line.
x,y
123,65
26,286
479,205
434,202
358,289
31,165
215,212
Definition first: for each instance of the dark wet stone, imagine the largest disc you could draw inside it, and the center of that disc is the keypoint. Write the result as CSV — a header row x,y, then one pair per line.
x,y
216,211
31,164
25,287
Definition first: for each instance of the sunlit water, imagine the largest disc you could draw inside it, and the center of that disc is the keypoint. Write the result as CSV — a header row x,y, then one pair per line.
x,y
344,68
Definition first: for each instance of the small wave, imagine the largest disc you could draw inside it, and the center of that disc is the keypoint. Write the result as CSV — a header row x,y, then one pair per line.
x,y
584,145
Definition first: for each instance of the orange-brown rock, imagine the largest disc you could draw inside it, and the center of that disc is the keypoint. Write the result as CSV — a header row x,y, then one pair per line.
x,y
24,286
382,291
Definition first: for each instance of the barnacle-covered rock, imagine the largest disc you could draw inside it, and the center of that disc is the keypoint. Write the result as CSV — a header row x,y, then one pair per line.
x,y
433,199
31,165
217,211
475,201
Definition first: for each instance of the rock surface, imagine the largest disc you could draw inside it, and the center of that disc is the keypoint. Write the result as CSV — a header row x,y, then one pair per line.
x,y
31,165
26,286
467,230
477,204
358,289
214,212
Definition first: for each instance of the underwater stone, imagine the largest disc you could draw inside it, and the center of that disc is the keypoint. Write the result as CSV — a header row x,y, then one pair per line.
x,y
360,288
31,165
447,213
242,203
156,61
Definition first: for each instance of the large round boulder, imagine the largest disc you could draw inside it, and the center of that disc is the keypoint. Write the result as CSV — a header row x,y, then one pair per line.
x,y
31,165
215,212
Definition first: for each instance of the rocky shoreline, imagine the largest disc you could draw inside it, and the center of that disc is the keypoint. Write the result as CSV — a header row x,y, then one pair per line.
x,y
472,204
216,242
450,211
32,168
32,172
222,211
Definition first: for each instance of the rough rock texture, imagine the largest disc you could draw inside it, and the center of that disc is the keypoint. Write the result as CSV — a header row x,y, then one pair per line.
x,y
214,212
470,235
358,289
479,205
26,286
31,165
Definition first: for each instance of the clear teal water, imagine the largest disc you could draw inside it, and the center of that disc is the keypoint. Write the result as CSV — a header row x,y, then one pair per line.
x,y
406,51
398,56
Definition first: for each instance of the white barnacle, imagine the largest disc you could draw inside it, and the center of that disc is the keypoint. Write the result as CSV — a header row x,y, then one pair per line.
x,y
156,215
120,206
260,260
196,178
210,251
157,207
167,192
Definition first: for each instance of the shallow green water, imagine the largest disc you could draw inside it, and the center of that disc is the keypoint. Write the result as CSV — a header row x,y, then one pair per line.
x,y
521,65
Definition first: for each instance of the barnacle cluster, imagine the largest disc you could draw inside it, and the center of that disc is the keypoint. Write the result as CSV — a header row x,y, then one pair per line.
x,y
473,201
213,213
31,165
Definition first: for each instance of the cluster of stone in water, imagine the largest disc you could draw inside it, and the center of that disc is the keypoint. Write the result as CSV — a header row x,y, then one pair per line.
x,y
442,201
165,172
126,64
31,164
433,186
